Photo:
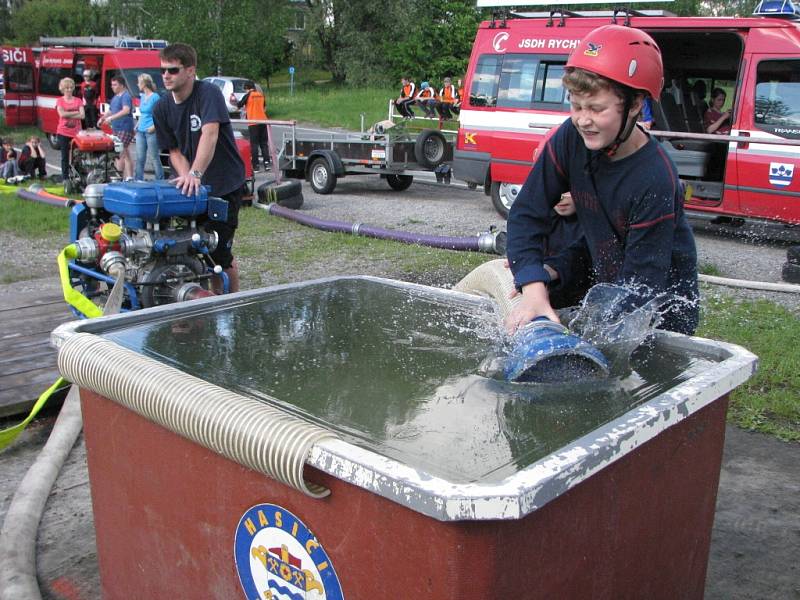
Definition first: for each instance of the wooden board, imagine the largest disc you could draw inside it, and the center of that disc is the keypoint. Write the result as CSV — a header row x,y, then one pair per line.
x,y
27,361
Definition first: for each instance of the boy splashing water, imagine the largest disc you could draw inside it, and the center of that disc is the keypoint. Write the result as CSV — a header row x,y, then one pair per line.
x,y
626,190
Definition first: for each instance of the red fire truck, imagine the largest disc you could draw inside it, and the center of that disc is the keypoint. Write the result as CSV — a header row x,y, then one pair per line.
x,y
32,74
514,96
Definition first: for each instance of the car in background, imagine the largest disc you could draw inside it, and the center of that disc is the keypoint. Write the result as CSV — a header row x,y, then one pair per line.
x,y
232,85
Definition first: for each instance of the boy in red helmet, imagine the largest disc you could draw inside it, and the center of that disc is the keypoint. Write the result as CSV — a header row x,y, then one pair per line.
x,y
626,189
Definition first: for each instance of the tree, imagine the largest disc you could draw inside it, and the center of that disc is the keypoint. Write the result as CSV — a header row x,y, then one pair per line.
x,y
229,36
36,18
439,44
728,8
376,42
324,24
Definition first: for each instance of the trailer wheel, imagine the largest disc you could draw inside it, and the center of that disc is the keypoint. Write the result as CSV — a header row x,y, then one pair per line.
x,y
53,139
503,196
321,176
399,182
429,149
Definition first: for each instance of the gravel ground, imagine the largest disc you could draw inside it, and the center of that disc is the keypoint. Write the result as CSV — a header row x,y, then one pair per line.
x,y
427,208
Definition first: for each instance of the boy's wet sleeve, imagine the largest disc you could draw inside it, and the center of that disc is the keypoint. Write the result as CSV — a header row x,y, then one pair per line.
x,y
529,219
649,244
573,264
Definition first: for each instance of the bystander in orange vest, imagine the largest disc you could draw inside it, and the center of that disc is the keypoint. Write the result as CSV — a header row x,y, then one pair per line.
x,y
254,108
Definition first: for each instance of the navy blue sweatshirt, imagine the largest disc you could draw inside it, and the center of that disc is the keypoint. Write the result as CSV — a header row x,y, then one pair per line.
x,y
631,213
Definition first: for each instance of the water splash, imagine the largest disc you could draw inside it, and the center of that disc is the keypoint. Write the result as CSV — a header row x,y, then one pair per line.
x,y
611,319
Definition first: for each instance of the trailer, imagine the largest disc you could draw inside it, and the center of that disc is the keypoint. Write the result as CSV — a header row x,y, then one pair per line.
x,y
388,150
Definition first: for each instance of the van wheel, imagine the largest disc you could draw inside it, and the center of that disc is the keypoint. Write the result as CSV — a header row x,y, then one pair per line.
x,y
321,176
429,149
793,255
503,196
53,139
399,182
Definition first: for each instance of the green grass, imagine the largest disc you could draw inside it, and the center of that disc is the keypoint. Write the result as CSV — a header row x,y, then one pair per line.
x,y
330,105
709,269
302,76
302,248
31,219
769,402
19,135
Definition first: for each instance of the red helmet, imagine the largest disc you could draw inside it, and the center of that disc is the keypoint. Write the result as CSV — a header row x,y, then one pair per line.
x,y
622,54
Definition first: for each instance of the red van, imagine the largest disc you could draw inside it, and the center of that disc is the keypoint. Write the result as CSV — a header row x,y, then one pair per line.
x,y
32,74
514,96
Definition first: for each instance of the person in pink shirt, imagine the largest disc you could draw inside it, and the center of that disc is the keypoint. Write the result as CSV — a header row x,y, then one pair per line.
x,y
70,113
716,121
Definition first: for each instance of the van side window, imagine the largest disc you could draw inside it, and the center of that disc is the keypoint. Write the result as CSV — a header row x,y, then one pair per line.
x,y
516,81
49,78
485,81
519,81
20,78
778,97
548,83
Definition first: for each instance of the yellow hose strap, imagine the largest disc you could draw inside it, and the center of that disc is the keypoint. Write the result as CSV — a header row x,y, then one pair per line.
x,y
72,296
7,436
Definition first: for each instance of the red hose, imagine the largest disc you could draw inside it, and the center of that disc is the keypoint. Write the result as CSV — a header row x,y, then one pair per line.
x,y
46,197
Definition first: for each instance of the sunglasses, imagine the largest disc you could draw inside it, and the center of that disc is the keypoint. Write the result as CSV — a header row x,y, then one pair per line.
x,y
170,70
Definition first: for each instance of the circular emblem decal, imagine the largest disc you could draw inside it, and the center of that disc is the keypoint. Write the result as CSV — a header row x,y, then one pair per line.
x,y
499,40
278,557
195,123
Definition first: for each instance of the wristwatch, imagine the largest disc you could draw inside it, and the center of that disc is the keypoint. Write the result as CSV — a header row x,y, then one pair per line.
x,y
196,173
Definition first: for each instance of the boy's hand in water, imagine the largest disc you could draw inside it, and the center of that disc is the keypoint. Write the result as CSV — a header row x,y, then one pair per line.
x,y
534,303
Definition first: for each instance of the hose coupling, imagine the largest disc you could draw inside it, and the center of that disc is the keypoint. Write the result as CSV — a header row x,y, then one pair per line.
x,y
88,249
191,291
492,241
113,263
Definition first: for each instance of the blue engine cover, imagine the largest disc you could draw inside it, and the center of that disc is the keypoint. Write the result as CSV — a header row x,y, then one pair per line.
x,y
153,200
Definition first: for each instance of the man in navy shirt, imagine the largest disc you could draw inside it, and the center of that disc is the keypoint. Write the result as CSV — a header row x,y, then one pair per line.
x,y
192,124
626,189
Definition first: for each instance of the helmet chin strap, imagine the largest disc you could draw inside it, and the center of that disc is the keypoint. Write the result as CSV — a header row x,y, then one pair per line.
x,y
625,128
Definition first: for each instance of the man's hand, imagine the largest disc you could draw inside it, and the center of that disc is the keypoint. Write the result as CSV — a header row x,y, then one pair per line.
x,y
188,184
534,303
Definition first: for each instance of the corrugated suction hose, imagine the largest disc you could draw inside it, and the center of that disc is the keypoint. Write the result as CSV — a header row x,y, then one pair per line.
x,y
493,280
242,429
